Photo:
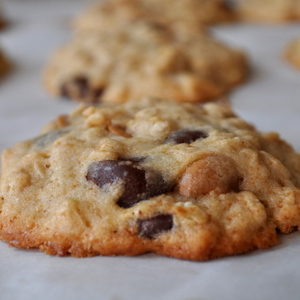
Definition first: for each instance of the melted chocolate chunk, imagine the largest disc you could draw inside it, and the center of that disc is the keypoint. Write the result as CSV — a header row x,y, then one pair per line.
x,y
79,86
80,89
149,228
186,136
139,184
156,184
97,94
64,91
82,86
130,175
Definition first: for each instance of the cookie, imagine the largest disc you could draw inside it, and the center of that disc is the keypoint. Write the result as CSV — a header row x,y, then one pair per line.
x,y
292,53
104,15
144,59
158,176
269,11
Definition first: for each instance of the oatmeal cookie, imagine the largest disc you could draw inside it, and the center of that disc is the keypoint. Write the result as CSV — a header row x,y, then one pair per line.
x,y
104,15
178,180
144,59
269,11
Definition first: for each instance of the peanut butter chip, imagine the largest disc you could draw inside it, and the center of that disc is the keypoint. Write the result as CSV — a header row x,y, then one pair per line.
x,y
62,121
215,174
118,130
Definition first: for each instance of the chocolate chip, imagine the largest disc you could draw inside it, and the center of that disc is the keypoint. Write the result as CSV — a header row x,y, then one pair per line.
x,y
138,184
97,94
82,86
149,228
64,91
186,136
78,88
131,176
156,184
48,138
81,90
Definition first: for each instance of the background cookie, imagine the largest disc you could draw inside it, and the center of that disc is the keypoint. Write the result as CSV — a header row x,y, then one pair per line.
x,y
292,53
144,59
269,10
175,179
107,14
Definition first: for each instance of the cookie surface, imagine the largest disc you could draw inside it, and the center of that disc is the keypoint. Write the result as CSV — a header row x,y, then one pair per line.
x,y
292,53
269,11
144,59
118,13
150,176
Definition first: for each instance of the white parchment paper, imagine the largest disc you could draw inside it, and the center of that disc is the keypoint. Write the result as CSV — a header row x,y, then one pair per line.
x,y
270,100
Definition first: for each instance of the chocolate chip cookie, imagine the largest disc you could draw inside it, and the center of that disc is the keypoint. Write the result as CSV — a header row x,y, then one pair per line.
x,y
144,59
154,175
104,15
272,11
